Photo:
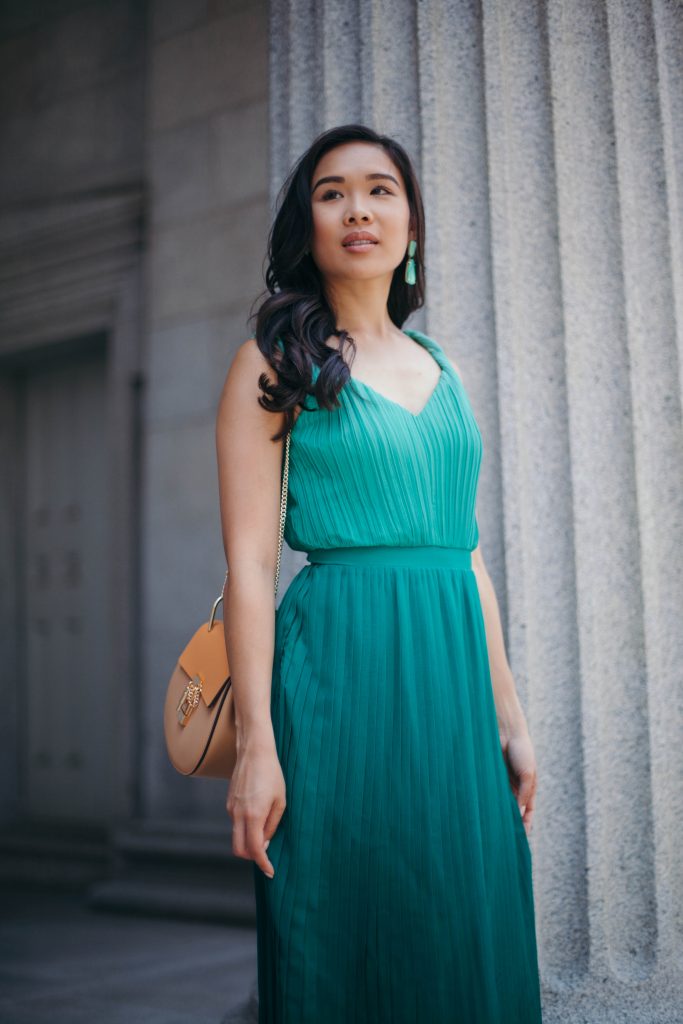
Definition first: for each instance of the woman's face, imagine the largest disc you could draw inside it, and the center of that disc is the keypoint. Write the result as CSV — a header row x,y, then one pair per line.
x,y
366,194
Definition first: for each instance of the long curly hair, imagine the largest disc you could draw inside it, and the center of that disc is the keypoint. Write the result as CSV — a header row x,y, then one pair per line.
x,y
296,309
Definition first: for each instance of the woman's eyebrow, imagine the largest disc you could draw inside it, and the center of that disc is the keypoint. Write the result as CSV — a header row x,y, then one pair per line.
x,y
339,178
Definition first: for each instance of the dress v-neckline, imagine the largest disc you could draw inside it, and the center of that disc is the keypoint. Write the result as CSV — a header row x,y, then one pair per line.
x,y
417,337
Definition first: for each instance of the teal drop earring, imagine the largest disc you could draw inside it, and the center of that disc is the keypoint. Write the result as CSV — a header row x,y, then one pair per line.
x,y
410,276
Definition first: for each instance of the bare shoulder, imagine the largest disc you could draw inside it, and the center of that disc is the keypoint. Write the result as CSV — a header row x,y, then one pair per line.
x,y
248,363
241,391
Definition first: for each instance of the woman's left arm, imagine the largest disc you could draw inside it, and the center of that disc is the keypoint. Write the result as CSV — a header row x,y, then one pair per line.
x,y
512,726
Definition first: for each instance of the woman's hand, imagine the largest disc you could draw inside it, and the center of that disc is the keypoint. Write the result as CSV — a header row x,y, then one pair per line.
x,y
256,800
521,765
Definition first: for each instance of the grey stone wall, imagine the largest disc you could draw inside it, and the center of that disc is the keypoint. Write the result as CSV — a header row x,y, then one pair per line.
x,y
137,132
548,141
72,80
72,90
207,173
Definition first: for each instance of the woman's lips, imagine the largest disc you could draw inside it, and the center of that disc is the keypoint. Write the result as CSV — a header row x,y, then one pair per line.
x,y
362,245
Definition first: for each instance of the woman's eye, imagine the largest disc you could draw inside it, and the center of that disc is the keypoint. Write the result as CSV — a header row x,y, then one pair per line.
x,y
334,191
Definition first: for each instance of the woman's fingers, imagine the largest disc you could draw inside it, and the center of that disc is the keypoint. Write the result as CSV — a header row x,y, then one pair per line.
x,y
273,819
526,789
248,842
521,765
239,848
257,848
256,816
526,796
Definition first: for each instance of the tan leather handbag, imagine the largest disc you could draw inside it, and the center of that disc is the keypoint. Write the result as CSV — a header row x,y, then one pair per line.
x,y
199,712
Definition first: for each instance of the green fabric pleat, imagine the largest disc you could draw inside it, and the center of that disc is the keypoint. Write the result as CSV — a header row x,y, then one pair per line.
x,y
403,874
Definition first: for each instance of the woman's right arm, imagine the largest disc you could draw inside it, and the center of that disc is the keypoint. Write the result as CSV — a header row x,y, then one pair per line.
x,y
249,470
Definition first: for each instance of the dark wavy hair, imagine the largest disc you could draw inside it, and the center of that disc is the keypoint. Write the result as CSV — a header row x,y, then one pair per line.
x,y
296,310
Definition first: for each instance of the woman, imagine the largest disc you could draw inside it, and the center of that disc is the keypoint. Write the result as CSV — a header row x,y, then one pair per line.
x,y
386,780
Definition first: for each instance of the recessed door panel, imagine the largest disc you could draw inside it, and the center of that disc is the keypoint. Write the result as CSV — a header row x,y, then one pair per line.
x,y
68,687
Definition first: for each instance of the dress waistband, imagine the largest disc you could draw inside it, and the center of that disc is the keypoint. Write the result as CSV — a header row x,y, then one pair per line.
x,y
388,554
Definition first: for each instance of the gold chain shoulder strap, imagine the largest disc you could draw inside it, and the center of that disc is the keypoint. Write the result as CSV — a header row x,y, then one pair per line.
x,y
283,516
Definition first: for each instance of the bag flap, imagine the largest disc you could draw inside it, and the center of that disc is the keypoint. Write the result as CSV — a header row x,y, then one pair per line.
x,y
205,656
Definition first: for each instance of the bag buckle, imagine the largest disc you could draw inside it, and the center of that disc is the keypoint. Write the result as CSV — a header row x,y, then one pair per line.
x,y
189,700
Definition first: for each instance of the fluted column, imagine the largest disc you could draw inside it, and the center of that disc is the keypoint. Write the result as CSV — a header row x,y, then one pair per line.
x,y
549,142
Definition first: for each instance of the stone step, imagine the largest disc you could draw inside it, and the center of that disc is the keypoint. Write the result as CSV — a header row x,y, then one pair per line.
x,y
229,903
177,868
174,839
59,855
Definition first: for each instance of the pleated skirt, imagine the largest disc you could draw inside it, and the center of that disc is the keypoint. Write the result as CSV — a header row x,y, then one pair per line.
x,y
403,877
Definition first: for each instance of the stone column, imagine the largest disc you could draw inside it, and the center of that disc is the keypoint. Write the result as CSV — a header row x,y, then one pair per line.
x,y
549,141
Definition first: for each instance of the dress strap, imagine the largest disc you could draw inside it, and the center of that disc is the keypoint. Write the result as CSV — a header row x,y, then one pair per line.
x,y
430,344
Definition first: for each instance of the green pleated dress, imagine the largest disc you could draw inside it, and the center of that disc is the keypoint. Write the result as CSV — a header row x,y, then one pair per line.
x,y
403,878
